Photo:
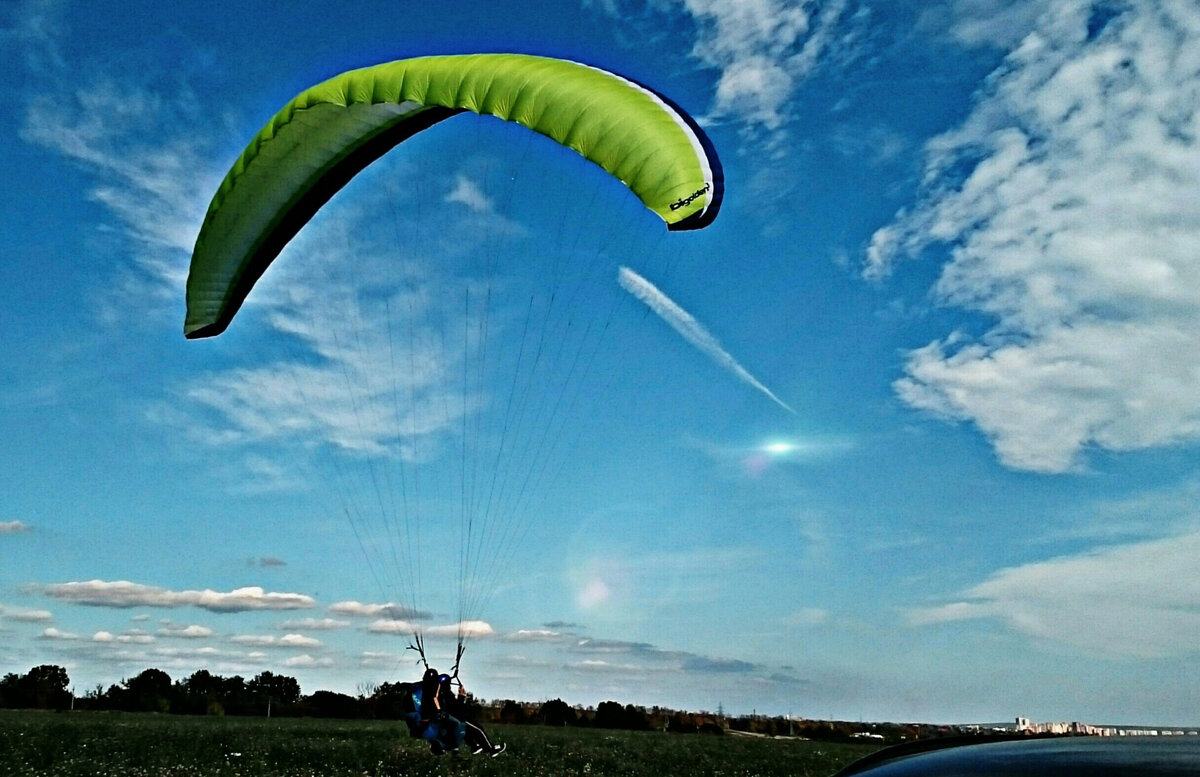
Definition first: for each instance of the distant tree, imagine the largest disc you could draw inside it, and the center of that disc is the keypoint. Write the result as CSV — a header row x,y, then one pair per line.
x,y
327,704
235,698
635,718
201,694
42,687
609,714
150,691
557,712
512,712
269,690
682,723
9,690
390,701
470,708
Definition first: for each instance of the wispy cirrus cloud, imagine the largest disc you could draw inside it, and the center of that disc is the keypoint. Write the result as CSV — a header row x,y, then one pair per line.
x,y
1126,601
125,594
1066,199
129,136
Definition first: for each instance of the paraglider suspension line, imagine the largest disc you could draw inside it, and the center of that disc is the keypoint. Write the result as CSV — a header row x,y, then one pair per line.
x,y
418,644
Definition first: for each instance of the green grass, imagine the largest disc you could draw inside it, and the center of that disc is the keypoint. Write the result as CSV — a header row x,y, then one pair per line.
x,y
111,744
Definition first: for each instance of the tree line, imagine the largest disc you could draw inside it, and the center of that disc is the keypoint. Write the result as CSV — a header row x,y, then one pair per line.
x,y
205,693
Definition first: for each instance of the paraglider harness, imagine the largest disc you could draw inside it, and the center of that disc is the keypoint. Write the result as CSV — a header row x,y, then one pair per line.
x,y
425,720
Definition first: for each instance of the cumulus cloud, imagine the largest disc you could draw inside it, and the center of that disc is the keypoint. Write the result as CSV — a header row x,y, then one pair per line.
x,y
533,635
390,610
186,632
314,624
376,659
27,616
468,628
122,593
763,50
13,527
269,640
1132,601
131,637
53,633
1067,200
306,660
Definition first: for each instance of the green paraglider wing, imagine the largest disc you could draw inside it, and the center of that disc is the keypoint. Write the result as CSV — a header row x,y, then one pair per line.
x,y
327,134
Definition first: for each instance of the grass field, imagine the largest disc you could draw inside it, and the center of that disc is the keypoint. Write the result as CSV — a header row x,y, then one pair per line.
x,y
34,744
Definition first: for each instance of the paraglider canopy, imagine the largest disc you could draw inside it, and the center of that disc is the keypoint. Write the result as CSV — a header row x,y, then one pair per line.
x,y
427,420
330,132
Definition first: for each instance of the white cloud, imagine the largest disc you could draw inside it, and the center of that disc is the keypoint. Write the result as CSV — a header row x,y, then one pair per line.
x,y
314,624
533,635
132,139
122,593
298,640
188,632
1136,600
257,640
1000,23
269,640
53,633
466,629
391,626
13,527
763,50
606,667
131,637
1073,230
28,616
389,610
467,192
375,659
307,661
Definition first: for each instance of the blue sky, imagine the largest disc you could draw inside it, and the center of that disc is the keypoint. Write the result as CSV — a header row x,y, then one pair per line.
x,y
958,243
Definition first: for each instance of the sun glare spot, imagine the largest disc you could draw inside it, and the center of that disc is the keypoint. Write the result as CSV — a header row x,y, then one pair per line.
x,y
593,594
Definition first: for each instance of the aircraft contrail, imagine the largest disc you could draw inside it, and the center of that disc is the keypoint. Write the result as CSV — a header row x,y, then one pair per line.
x,y
691,329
